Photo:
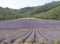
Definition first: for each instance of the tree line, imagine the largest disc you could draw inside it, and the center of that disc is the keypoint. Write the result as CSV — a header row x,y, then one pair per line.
x,y
49,10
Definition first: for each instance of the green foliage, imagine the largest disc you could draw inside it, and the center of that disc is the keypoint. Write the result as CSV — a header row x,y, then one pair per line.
x,y
6,14
47,11
51,14
5,43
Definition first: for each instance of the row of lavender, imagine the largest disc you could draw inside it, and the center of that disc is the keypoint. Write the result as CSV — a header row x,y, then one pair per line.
x,y
32,36
29,23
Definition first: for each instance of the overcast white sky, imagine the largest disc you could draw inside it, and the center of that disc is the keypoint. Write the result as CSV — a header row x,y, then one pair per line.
x,y
16,4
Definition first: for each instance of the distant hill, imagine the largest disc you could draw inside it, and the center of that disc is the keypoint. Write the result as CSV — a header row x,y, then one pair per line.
x,y
50,14
48,11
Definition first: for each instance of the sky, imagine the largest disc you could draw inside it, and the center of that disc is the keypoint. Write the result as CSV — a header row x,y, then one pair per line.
x,y
17,4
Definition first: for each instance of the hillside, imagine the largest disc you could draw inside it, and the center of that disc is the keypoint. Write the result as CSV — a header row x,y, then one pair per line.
x,y
50,14
47,11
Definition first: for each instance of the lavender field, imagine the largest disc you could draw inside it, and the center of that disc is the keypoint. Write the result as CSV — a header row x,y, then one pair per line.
x,y
30,31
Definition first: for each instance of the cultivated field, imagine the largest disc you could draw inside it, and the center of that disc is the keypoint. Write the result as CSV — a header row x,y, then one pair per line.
x,y
30,31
